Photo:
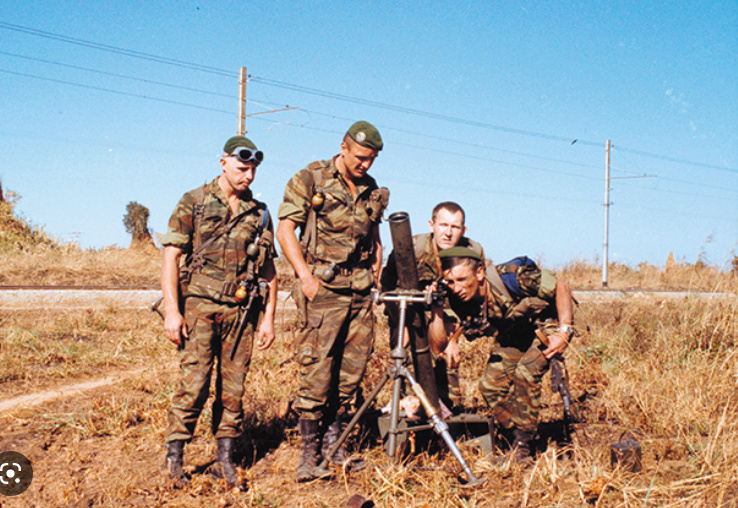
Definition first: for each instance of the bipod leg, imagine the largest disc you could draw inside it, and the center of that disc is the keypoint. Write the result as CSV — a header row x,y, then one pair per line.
x,y
322,469
441,428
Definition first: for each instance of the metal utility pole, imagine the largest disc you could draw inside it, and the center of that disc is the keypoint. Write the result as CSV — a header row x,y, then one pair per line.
x,y
242,79
242,101
607,213
607,209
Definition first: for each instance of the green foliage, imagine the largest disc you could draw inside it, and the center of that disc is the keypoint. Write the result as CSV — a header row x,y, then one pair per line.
x,y
136,221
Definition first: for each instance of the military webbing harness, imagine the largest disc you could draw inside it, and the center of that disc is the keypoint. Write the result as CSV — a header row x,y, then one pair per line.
x,y
194,261
309,239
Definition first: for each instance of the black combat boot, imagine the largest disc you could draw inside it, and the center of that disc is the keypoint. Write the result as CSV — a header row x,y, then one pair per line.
x,y
341,456
227,467
309,451
175,452
522,446
334,431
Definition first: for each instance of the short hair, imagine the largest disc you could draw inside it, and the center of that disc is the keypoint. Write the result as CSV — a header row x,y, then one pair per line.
x,y
452,207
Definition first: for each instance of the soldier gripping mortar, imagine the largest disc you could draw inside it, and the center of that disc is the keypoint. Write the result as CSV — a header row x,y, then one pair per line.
x,y
511,381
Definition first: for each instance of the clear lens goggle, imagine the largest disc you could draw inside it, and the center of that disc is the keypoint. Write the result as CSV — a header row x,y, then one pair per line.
x,y
248,155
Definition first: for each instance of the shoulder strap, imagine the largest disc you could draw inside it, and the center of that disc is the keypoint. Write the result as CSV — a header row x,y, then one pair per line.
x,y
494,278
198,211
310,235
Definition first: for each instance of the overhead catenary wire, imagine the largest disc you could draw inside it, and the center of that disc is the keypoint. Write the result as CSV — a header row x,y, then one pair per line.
x,y
338,96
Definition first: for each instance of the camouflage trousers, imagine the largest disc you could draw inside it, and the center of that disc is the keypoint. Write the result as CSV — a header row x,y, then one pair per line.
x,y
333,351
511,384
212,333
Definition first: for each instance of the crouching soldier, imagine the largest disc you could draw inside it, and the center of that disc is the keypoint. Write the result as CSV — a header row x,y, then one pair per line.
x,y
507,310
223,295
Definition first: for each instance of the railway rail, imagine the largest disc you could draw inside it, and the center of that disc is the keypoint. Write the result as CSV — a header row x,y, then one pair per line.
x,y
35,297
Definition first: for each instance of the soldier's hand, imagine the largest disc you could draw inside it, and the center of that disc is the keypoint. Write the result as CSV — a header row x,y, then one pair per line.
x,y
265,336
452,353
557,343
175,327
310,287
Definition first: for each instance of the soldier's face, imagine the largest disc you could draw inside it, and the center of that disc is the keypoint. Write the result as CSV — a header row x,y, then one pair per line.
x,y
357,158
447,229
464,281
237,175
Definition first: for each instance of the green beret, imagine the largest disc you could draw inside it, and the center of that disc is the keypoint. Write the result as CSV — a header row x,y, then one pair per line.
x,y
366,135
459,252
450,257
237,141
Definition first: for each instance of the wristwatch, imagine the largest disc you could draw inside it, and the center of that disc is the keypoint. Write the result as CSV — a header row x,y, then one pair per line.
x,y
567,329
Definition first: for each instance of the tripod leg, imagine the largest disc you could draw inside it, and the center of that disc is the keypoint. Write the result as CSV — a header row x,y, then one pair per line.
x,y
394,416
441,429
322,468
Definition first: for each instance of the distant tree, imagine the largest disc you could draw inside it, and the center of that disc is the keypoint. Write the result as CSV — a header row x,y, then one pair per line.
x,y
136,221
2,195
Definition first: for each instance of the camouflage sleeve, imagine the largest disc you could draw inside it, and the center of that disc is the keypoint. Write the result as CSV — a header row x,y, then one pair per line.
x,y
179,230
537,282
296,202
269,236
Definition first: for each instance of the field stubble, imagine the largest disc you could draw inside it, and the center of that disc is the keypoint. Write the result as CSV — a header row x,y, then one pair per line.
x,y
665,371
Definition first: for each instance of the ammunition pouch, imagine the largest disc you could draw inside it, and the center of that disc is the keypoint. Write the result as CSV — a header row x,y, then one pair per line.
x,y
223,288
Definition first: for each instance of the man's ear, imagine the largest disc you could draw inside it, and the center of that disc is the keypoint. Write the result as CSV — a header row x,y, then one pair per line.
x,y
481,273
430,225
223,163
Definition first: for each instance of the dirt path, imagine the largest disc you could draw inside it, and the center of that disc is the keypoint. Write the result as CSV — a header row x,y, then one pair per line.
x,y
70,390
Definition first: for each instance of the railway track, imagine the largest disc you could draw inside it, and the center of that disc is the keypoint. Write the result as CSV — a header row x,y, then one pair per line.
x,y
30,297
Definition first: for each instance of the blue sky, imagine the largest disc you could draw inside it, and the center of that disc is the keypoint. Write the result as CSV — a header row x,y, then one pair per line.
x,y
504,107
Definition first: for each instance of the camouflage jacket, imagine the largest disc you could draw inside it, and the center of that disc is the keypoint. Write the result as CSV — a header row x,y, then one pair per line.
x,y
344,225
509,317
224,237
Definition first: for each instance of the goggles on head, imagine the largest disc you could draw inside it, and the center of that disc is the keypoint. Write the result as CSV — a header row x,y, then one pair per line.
x,y
248,155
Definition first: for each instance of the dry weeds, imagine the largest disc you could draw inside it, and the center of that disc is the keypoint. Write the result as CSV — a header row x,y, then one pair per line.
x,y
664,371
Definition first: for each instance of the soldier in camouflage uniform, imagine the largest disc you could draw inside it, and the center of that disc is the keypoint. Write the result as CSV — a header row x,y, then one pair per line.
x,y
228,242
447,229
511,382
338,207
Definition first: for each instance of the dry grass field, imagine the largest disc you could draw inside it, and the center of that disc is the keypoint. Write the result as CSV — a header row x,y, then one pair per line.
x,y
663,370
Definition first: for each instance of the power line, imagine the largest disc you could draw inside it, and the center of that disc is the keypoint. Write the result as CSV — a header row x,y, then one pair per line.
x,y
118,92
674,159
335,96
113,49
118,75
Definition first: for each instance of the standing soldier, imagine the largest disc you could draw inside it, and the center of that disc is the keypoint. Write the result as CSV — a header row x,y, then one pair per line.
x,y
226,288
447,229
337,207
508,302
